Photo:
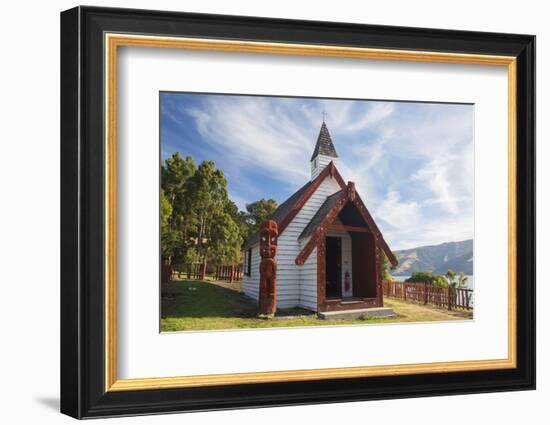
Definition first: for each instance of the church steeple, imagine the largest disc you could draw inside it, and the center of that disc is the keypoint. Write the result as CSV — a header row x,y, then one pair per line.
x,y
323,153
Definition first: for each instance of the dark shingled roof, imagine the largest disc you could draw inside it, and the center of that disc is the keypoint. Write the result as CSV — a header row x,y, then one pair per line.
x,y
321,214
279,214
324,144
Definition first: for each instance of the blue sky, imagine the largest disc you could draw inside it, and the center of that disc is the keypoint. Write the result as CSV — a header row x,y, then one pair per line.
x,y
413,163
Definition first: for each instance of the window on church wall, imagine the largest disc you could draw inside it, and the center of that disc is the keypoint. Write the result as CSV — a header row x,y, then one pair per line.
x,y
248,262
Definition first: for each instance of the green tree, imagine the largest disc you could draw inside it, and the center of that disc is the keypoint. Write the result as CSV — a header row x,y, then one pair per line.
x,y
168,237
428,277
165,210
259,210
174,175
256,213
385,267
215,234
175,224
462,279
225,240
456,279
240,218
199,223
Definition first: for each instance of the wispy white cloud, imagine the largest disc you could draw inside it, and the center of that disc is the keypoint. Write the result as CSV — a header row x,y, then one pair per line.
x,y
436,175
378,112
412,162
255,134
398,213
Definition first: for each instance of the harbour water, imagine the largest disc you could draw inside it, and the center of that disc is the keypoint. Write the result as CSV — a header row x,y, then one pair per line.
x,y
469,284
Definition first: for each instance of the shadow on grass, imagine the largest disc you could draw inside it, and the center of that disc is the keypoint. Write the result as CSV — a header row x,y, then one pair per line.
x,y
201,299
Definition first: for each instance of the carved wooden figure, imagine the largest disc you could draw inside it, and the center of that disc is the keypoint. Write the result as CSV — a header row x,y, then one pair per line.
x,y
268,268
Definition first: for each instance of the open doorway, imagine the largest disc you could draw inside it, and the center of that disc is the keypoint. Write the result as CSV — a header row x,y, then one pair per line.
x,y
333,266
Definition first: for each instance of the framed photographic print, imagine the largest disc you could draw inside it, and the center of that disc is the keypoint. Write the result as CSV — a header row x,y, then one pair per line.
x,y
261,212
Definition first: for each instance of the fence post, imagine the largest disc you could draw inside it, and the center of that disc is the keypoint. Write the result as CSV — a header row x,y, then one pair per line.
x,y
449,302
425,293
404,291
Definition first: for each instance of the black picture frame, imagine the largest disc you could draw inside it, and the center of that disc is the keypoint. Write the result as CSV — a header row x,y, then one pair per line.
x,y
83,392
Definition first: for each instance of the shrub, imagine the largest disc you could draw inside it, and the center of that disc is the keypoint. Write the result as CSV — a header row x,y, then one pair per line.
x,y
429,277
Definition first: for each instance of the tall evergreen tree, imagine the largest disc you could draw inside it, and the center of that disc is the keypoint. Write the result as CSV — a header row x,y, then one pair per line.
x,y
198,220
256,212
216,235
169,238
175,239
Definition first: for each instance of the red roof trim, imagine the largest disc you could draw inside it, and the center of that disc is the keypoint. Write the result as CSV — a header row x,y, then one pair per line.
x,y
321,229
375,230
329,170
349,195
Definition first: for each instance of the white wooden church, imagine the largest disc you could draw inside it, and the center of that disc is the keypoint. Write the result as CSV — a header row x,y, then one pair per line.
x,y
329,246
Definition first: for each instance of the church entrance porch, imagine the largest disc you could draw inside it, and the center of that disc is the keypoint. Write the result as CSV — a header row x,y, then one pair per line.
x,y
349,247
350,278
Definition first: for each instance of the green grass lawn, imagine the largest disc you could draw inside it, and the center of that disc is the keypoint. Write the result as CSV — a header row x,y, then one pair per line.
x,y
198,305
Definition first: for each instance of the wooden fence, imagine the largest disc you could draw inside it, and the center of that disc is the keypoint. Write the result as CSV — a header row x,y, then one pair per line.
x,y
196,271
426,293
229,273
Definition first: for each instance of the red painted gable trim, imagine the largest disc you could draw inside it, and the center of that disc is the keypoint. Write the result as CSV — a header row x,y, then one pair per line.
x,y
319,233
329,170
375,230
349,195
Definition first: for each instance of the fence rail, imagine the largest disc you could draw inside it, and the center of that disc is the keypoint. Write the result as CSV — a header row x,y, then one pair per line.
x,y
426,293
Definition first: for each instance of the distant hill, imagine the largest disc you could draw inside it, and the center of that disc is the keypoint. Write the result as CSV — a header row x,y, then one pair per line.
x,y
437,258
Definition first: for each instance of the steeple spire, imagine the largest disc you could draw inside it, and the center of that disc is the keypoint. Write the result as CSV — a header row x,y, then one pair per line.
x,y
324,144
324,151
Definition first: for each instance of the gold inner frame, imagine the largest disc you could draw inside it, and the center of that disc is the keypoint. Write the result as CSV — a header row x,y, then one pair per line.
x,y
113,41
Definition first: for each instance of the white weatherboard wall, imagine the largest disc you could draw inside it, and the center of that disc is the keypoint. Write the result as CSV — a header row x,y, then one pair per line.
x,y
290,277
251,284
319,163
288,273
308,280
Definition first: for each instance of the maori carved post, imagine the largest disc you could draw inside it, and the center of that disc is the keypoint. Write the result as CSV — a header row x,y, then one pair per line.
x,y
268,268
351,191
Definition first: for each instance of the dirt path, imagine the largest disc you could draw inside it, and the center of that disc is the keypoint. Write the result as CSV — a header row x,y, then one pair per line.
x,y
234,286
